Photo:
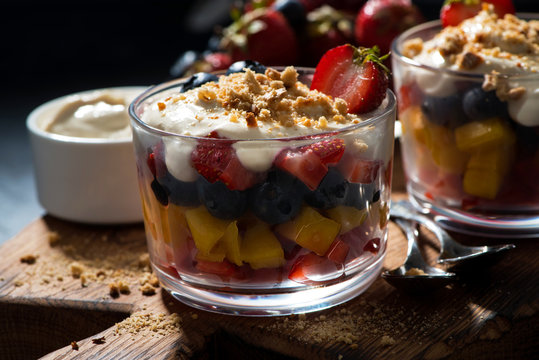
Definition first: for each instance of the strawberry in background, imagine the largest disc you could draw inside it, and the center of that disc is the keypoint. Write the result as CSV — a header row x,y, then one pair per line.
x,y
263,35
380,21
325,29
455,11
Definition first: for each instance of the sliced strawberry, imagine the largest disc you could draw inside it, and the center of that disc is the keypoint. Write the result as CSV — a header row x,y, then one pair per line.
x,y
211,159
359,170
373,246
306,166
218,61
221,268
453,12
338,251
218,161
329,151
151,164
356,75
312,268
237,177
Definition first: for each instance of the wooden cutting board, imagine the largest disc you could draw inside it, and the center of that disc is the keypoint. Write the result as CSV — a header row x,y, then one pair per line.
x,y
64,297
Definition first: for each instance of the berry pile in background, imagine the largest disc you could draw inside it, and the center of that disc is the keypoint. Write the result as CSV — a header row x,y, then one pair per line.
x,y
299,32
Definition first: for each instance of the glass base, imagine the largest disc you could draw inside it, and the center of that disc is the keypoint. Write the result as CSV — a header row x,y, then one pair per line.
x,y
494,226
274,303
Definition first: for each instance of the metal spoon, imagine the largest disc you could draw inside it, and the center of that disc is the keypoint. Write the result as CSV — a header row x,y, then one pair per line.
x,y
415,275
452,253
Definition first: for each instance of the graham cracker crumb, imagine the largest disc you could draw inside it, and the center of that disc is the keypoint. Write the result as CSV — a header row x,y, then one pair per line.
x,y
387,340
99,341
159,324
147,290
74,345
76,269
194,316
18,283
53,238
29,259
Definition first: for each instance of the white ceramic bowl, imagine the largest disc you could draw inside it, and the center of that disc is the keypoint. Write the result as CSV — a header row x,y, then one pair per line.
x,y
89,180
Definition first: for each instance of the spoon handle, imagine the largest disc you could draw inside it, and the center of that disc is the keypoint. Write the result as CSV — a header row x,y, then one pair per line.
x,y
414,257
405,210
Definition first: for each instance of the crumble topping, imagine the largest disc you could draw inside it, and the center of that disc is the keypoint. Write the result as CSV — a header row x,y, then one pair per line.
x,y
483,38
276,98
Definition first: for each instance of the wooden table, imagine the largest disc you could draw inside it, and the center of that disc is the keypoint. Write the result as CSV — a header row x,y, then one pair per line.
x,y
63,297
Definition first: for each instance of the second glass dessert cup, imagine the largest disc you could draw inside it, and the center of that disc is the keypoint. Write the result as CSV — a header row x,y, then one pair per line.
x,y
467,161
287,244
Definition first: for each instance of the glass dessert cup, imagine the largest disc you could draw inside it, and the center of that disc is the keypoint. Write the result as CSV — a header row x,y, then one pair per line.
x,y
475,174
287,244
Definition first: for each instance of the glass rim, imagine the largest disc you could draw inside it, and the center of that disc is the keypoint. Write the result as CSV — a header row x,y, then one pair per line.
x,y
399,40
171,84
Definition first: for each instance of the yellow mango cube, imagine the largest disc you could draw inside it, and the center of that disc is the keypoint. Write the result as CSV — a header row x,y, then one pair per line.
x,y
482,183
413,121
216,254
205,229
483,134
311,230
441,142
232,241
348,217
260,248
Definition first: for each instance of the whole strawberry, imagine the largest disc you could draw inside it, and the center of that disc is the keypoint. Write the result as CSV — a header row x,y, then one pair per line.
x,y
455,11
380,21
356,75
263,35
326,28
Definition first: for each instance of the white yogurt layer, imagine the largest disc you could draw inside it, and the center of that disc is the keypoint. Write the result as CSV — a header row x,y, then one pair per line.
x,y
245,106
485,44
97,114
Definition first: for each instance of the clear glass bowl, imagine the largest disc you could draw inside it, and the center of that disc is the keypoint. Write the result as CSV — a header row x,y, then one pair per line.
x,y
476,170
277,247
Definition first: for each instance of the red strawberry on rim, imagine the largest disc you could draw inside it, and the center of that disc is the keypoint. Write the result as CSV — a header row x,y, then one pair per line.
x,y
453,12
356,75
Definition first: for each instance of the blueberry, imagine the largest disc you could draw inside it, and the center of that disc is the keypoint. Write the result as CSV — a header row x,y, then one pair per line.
x,y
360,195
159,192
445,111
479,104
278,199
197,80
179,192
292,10
331,192
220,201
238,66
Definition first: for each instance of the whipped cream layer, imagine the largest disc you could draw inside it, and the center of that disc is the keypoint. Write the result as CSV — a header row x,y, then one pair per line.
x,y
245,106
485,44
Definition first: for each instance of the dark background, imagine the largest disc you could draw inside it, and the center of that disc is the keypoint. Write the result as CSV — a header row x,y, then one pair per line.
x,y
53,48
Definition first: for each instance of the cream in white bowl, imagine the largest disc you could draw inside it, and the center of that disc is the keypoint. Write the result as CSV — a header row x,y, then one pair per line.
x,y
83,156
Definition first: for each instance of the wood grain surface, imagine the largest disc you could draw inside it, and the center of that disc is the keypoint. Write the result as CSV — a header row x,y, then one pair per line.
x,y
64,297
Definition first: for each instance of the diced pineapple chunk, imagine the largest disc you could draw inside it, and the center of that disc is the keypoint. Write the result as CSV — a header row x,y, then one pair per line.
x,y
348,216
413,120
205,229
216,254
482,183
260,248
311,230
483,134
232,241
441,142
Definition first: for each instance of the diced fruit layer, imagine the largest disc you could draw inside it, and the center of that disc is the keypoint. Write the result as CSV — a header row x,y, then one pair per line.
x,y
311,230
261,249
